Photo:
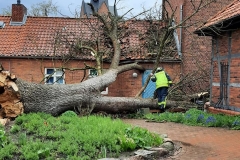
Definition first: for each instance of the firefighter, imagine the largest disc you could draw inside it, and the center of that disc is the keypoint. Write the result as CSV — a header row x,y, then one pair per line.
x,y
163,82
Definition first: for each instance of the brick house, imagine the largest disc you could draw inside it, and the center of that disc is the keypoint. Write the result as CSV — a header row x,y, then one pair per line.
x,y
225,55
33,48
196,60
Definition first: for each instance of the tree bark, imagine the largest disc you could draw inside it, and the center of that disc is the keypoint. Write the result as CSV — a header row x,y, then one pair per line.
x,y
124,104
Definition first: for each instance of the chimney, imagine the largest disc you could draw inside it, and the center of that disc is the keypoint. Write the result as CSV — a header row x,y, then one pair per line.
x,y
18,12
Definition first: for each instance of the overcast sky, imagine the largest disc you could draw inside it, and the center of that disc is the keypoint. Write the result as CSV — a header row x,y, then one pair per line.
x,y
137,5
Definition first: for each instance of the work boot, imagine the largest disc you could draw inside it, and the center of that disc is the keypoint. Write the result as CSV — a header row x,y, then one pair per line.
x,y
161,108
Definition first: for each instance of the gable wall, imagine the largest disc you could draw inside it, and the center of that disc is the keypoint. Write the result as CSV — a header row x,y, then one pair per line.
x,y
103,9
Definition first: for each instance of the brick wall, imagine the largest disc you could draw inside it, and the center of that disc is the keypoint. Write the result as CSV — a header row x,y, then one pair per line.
x,y
126,85
236,42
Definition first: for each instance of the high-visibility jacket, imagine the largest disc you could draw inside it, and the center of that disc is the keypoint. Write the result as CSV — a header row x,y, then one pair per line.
x,y
162,79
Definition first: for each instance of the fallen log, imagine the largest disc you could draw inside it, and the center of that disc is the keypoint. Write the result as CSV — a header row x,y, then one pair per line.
x,y
18,96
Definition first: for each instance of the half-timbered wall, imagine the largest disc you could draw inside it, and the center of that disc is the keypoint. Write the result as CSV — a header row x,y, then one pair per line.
x,y
225,79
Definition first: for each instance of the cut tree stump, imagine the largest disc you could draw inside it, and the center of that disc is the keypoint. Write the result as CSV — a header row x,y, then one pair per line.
x,y
10,106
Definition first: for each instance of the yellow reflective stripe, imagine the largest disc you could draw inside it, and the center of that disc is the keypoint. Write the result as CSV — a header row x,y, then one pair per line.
x,y
159,103
163,102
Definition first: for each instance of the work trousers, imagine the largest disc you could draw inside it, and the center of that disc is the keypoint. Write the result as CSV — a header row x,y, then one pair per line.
x,y
162,93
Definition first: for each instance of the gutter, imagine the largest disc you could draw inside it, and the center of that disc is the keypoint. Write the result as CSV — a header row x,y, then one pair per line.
x,y
38,57
151,61
57,58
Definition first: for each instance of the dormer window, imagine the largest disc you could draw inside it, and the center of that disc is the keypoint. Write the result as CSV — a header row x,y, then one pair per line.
x,y
2,24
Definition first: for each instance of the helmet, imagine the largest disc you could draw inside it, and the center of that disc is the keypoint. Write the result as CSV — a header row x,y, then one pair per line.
x,y
159,69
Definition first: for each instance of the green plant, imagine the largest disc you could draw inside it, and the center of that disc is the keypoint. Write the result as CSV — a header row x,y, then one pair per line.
x,y
69,114
43,153
236,124
137,137
127,143
3,139
8,151
15,129
1,127
22,140
35,149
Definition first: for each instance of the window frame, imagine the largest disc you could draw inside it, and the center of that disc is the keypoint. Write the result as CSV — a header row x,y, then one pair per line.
x,y
54,75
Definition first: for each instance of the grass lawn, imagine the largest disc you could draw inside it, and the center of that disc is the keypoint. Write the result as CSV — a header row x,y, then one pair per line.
x,y
41,136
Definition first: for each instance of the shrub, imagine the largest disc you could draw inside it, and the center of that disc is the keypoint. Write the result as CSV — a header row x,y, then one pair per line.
x,y
69,114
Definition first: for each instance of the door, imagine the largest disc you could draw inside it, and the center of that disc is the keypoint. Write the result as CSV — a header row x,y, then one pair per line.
x,y
148,92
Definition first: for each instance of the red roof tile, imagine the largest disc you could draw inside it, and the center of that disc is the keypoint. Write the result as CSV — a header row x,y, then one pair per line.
x,y
38,37
229,12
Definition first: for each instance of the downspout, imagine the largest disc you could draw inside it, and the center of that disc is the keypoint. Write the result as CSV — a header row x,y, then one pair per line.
x,y
180,39
214,50
177,41
180,34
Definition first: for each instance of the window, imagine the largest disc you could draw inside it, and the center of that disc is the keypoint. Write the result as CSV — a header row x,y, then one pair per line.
x,y
54,76
2,24
94,73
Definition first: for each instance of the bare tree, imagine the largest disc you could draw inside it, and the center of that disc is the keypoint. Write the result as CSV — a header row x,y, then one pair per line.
x,y
44,9
7,11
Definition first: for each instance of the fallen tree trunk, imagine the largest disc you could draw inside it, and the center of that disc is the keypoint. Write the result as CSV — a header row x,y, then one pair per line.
x,y
123,104
18,96
131,104
181,104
